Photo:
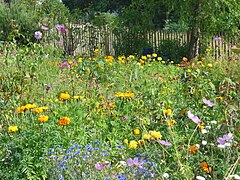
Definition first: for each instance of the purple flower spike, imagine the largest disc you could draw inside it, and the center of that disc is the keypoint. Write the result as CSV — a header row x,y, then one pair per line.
x,y
194,118
165,143
99,166
207,102
38,35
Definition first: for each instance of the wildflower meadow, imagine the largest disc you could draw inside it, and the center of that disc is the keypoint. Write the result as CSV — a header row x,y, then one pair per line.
x,y
125,117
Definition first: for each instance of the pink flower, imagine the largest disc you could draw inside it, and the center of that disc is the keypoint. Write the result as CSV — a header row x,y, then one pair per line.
x,y
207,102
38,35
99,166
194,118
165,143
134,162
60,28
44,28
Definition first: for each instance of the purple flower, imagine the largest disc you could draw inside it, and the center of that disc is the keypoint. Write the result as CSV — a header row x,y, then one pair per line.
x,y
99,166
227,138
64,64
165,143
38,35
207,102
134,162
60,28
217,38
44,28
194,118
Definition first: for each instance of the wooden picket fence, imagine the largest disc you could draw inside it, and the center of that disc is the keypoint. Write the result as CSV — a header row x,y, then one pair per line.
x,y
84,38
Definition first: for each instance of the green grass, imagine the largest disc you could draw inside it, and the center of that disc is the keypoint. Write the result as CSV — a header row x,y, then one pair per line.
x,y
101,123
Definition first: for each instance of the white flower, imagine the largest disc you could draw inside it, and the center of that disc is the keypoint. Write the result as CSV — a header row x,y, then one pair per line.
x,y
214,122
227,144
200,178
204,131
197,146
165,175
208,127
204,142
221,146
123,163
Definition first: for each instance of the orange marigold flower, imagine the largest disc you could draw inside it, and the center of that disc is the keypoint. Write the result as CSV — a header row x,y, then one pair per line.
x,y
206,168
64,121
193,149
37,110
43,119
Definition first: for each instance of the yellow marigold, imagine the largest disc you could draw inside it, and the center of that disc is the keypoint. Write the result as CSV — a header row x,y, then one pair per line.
x,y
44,107
156,134
64,121
21,109
64,96
37,110
125,141
209,65
133,144
43,119
30,106
12,129
220,98
80,60
167,111
154,55
141,142
136,131
159,58
144,57
146,136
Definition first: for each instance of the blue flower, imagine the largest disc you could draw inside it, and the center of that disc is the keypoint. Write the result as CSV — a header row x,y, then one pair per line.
x,y
122,177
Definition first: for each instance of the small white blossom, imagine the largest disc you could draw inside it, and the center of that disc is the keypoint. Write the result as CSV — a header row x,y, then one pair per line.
x,y
221,146
214,122
165,175
200,178
204,142
204,131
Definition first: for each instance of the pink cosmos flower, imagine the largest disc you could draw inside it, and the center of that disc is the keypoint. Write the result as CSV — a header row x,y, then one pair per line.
x,y
38,35
194,118
60,28
207,102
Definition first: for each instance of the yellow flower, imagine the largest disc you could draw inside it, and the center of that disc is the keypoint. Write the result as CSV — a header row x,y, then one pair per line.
x,y
167,111
154,55
146,136
209,65
96,51
163,62
43,119
141,142
64,121
64,96
136,131
88,70
144,57
133,144
171,122
37,110
12,129
188,70
156,134
21,109
184,59
159,58
220,98
80,59
125,141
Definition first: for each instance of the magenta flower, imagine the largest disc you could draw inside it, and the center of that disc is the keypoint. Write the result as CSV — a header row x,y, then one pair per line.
x,y
207,102
99,166
44,28
60,28
194,118
38,35
165,143
134,162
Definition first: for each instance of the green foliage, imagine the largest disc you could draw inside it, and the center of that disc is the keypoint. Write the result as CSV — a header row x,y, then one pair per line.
x,y
172,50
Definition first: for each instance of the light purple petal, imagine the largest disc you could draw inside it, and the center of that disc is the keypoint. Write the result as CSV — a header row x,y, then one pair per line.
x,y
207,102
99,166
165,143
218,39
228,137
194,118
44,28
130,162
221,140
38,35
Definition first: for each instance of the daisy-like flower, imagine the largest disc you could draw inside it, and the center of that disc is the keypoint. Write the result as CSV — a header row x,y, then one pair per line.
x,y
133,144
43,119
64,121
64,96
